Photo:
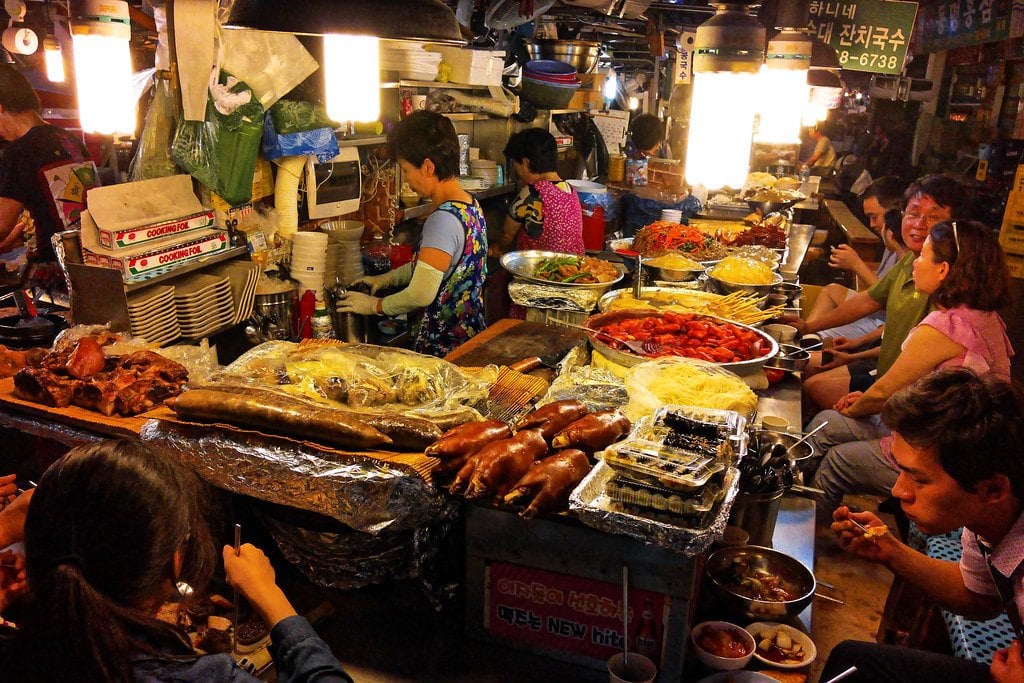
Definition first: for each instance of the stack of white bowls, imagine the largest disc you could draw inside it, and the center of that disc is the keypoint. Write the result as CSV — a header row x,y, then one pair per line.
x,y
309,261
485,169
672,215
345,239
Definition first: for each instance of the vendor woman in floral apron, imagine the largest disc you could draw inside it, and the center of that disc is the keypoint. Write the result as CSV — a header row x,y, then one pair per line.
x,y
446,276
546,215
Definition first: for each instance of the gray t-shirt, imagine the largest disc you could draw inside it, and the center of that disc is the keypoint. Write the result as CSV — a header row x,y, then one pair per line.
x,y
444,231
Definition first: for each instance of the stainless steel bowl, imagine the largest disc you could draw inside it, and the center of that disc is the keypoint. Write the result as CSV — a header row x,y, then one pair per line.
x,y
726,287
522,264
770,207
789,357
791,290
673,274
582,54
759,437
722,563
628,359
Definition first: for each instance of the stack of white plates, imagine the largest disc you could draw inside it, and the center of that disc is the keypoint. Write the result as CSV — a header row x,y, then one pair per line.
x,y
344,251
410,59
485,169
243,276
153,315
309,261
671,215
204,304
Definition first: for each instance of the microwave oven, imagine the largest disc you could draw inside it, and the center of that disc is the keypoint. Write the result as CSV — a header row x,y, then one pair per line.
x,y
333,187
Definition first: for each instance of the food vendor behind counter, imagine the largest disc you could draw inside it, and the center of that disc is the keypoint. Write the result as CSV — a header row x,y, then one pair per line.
x,y
446,276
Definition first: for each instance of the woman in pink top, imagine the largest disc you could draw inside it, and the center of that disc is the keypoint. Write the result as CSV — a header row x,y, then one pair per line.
x,y
962,269
546,214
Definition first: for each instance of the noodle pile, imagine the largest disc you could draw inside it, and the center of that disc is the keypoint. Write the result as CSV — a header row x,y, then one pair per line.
x,y
685,382
744,271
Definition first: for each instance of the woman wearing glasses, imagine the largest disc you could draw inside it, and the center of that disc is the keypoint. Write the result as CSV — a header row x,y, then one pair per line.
x,y
929,200
962,271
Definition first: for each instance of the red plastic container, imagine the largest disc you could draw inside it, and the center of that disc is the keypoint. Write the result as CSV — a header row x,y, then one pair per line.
x,y
400,255
593,229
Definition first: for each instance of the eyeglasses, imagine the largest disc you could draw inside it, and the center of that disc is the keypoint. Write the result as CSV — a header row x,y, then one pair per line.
x,y
927,219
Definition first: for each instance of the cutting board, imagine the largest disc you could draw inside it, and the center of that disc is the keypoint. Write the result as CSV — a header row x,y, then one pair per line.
x,y
507,341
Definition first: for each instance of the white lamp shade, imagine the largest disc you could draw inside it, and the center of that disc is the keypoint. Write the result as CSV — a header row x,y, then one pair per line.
x,y
54,59
103,71
784,96
352,77
721,128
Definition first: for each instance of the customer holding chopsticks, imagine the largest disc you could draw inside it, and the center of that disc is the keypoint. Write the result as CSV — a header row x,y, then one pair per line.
x,y
959,445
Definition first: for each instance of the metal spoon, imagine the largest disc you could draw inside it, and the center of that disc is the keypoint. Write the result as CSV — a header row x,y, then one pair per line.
x,y
807,436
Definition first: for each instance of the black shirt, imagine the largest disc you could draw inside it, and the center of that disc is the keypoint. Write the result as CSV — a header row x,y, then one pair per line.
x,y
24,178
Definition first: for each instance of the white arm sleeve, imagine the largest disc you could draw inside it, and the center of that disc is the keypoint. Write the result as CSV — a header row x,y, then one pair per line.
x,y
422,290
400,276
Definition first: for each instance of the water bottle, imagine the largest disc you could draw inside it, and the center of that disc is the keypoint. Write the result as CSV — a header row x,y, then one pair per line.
x,y
805,173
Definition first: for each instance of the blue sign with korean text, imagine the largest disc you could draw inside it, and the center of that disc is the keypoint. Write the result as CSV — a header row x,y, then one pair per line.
x,y
958,23
867,35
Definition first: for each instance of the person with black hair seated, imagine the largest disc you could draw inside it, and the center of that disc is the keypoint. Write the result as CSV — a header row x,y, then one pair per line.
x,y
647,137
111,530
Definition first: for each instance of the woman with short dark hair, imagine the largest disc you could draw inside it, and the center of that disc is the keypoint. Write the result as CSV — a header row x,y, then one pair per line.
x,y
962,269
111,530
446,276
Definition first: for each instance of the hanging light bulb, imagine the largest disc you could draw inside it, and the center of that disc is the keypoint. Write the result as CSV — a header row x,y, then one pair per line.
x,y
54,60
100,32
784,89
728,53
352,77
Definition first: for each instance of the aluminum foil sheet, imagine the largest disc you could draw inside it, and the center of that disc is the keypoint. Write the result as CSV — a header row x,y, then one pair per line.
x,y
347,559
369,496
594,509
548,296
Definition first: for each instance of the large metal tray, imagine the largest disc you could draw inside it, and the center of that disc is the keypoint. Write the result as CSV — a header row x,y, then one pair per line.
x,y
522,264
593,507
628,359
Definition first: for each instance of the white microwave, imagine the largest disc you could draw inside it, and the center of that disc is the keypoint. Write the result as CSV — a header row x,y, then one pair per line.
x,y
333,187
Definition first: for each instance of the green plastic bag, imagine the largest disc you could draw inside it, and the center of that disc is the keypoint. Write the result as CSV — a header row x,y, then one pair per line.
x,y
293,116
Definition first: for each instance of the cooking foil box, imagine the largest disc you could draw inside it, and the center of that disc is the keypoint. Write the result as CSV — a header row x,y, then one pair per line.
x,y
593,507
366,495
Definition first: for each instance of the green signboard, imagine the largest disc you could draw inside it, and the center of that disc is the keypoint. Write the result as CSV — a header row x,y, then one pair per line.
x,y
958,23
867,35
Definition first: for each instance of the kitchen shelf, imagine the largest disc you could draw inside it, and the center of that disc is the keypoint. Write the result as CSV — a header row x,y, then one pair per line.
x,y
178,271
432,84
424,208
358,141
468,116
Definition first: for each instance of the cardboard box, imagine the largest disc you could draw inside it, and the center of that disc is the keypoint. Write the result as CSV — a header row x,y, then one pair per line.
x,y
1015,263
473,67
586,99
144,260
128,237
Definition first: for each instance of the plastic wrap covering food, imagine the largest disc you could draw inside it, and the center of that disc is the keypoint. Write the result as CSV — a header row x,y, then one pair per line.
x,y
671,482
593,506
332,556
597,388
666,380
362,377
369,495
561,298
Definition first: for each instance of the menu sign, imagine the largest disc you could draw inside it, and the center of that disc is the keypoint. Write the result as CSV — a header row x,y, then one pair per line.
x,y
867,35
958,23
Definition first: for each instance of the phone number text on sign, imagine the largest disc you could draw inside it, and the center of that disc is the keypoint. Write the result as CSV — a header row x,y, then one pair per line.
x,y
867,35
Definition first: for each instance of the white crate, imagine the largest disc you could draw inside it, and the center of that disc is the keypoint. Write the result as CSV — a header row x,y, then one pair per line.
x,y
473,67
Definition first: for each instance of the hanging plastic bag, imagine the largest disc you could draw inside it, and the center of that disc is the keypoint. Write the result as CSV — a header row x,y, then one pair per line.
x,y
153,155
194,149
238,142
271,63
292,116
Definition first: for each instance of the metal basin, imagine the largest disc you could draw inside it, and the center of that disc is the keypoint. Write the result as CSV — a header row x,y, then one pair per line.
x,y
726,287
523,264
582,54
760,437
790,357
727,561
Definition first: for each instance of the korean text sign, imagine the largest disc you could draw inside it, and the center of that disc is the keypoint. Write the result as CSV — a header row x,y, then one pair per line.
x,y
571,613
867,35
957,23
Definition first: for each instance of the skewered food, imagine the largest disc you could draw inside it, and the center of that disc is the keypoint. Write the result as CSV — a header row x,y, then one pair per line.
x,y
739,307
495,469
593,432
550,481
575,269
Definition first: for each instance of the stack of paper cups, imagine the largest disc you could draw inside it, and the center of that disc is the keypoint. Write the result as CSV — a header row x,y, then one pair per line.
x,y
309,261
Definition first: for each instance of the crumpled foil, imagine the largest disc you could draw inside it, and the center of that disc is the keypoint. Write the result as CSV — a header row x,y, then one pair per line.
x,y
578,299
369,496
594,509
597,388
346,559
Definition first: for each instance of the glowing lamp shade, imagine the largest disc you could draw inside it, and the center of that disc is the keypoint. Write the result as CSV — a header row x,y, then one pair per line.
x,y
728,54
721,123
54,60
784,96
100,32
352,77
